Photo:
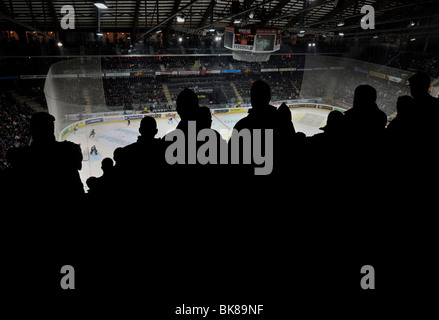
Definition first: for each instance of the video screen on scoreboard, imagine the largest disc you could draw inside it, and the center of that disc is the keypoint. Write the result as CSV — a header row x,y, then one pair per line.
x,y
244,39
265,42
228,39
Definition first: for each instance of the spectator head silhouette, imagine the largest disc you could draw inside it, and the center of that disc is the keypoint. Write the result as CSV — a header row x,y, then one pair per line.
x,y
92,183
107,165
42,127
117,154
187,104
260,94
204,118
419,84
334,122
364,96
404,105
148,127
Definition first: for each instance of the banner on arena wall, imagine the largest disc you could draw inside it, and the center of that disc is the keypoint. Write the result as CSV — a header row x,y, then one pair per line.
x,y
220,111
236,110
324,107
377,74
33,76
92,75
114,118
188,72
64,76
287,69
231,71
165,73
140,116
117,74
358,69
270,70
210,71
394,79
96,120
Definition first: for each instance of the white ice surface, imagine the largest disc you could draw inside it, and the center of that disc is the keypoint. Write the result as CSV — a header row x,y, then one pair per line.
x,y
109,136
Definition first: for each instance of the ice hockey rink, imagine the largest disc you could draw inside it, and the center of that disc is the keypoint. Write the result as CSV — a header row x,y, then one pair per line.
x,y
111,135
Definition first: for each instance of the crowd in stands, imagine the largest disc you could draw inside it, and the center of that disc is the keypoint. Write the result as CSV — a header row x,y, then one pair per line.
x,y
14,125
126,91
427,63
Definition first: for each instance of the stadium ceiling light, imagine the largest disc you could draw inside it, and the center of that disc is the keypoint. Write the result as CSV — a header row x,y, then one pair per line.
x,y
302,31
411,24
237,21
341,34
251,15
59,44
181,18
99,34
413,39
340,24
100,4
180,39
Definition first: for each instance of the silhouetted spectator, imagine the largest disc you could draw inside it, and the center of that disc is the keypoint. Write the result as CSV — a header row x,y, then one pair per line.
x,y
425,104
365,120
419,85
187,109
47,167
147,152
400,128
264,116
332,133
104,184
204,121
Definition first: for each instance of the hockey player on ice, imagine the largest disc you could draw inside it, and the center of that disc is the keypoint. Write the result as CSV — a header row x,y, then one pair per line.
x,y
92,133
170,121
75,129
94,150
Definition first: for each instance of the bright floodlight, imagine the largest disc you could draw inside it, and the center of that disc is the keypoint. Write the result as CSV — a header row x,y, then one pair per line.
x,y
101,4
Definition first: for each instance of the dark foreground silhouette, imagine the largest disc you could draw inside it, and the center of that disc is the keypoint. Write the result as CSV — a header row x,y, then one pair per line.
x,y
356,194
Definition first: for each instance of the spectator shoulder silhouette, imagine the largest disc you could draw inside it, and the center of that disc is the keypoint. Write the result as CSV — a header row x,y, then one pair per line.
x,y
48,166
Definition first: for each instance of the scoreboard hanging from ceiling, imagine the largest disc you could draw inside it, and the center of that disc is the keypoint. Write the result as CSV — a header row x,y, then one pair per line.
x,y
252,39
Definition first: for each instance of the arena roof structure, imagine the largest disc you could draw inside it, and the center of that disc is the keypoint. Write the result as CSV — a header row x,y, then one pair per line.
x,y
142,17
